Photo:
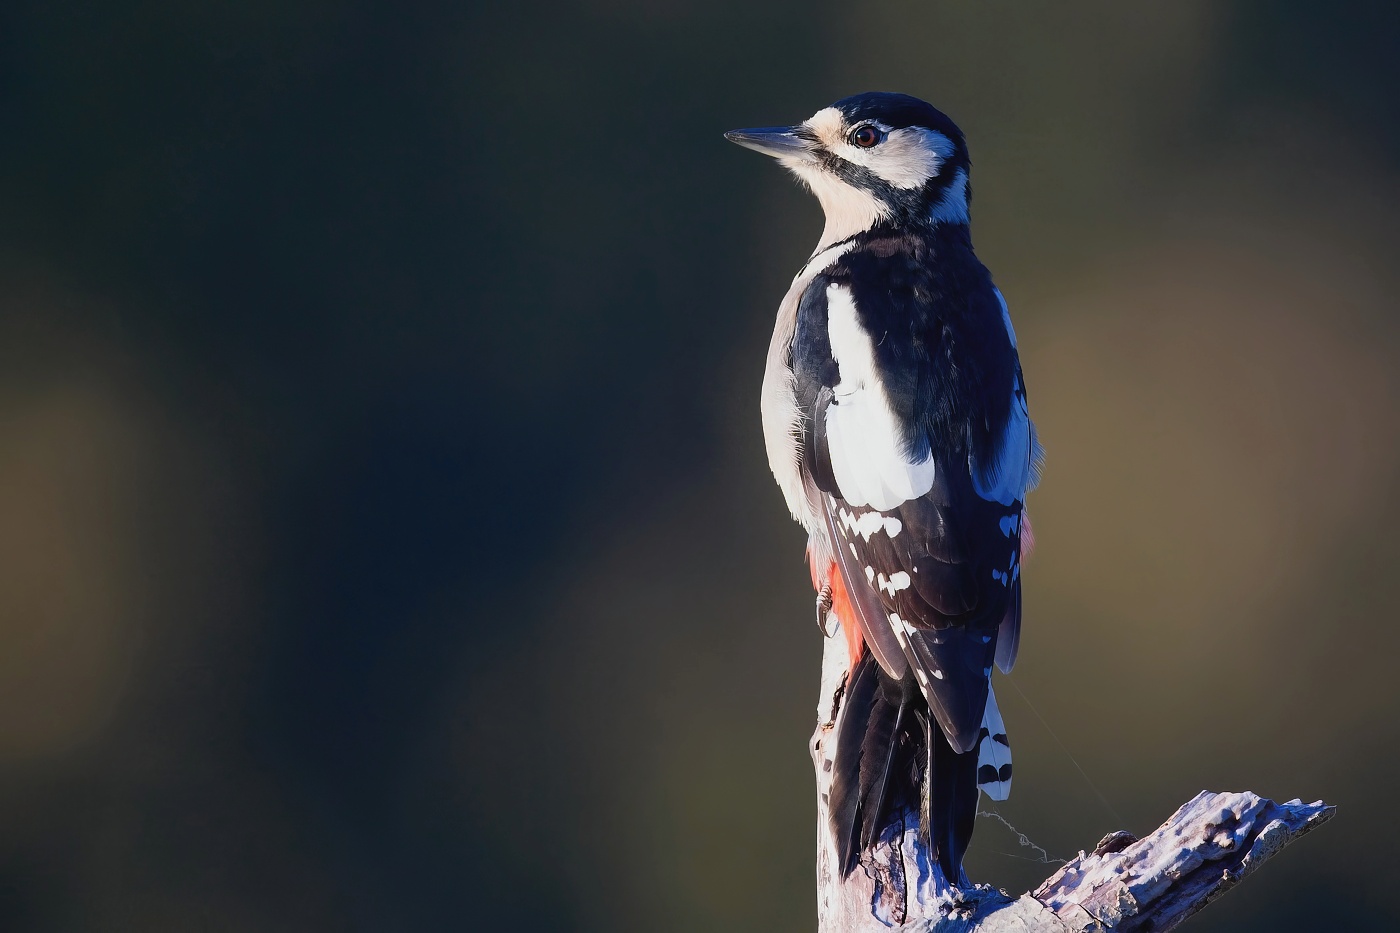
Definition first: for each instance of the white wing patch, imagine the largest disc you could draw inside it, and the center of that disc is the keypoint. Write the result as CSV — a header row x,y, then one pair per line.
x,y
1006,317
868,458
1007,477
899,580
869,523
994,752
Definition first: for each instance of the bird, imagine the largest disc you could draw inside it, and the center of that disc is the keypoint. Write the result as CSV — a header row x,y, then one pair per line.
x,y
896,425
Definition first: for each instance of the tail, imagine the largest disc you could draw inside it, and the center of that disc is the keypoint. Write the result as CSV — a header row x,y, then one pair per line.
x,y
949,802
891,759
876,754
993,753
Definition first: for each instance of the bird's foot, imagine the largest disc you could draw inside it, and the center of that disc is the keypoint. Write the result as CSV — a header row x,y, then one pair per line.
x,y
824,611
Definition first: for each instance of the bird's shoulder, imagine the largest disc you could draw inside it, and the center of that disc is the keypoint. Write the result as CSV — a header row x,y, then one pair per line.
x,y
933,323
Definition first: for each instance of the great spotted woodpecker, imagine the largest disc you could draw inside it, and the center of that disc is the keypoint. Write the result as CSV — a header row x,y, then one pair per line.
x,y
895,418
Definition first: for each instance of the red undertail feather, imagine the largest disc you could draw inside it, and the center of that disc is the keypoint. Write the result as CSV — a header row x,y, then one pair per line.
x,y
840,605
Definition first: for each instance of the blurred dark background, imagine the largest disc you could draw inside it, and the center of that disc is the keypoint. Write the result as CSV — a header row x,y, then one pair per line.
x,y
386,540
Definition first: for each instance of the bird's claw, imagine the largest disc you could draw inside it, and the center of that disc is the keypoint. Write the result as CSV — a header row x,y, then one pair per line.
x,y
824,610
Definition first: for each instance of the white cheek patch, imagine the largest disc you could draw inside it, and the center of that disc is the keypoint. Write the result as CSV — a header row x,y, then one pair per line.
x,y
907,158
848,210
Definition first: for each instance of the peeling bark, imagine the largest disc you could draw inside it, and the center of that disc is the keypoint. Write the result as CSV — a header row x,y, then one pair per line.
x,y
1125,884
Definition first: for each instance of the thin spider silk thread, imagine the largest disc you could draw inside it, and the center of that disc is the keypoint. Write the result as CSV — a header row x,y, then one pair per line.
x,y
1023,839
1092,786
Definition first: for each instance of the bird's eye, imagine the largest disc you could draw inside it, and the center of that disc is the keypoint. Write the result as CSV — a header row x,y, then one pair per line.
x,y
865,136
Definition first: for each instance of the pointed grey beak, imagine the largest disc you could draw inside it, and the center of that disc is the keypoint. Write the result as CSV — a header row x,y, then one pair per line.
x,y
781,142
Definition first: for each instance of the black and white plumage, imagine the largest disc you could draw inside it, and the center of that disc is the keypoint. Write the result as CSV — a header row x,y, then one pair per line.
x,y
895,417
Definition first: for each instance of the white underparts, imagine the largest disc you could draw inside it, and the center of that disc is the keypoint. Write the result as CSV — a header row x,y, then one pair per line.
x,y
865,438
782,421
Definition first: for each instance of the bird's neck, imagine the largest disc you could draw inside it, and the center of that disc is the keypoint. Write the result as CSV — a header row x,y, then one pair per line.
x,y
851,212
951,205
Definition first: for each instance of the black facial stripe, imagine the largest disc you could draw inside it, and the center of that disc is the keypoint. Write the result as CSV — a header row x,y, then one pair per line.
x,y
891,112
909,204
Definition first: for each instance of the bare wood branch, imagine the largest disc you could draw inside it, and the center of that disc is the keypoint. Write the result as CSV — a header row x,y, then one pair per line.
x,y
1126,884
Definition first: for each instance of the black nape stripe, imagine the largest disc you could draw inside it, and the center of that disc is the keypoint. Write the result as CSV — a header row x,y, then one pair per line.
x,y
899,111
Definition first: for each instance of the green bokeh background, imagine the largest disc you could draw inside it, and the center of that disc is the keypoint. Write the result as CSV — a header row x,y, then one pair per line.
x,y
386,539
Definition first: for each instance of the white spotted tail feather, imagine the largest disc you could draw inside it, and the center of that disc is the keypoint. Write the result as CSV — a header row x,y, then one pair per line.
x,y
994,753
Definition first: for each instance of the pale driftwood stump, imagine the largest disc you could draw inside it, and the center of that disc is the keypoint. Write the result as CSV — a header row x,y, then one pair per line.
x,y
1126,884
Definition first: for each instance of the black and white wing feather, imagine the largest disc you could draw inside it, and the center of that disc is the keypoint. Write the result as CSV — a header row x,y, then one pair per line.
x,y
926,527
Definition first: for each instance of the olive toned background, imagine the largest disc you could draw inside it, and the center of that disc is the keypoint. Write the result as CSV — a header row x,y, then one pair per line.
x,y
386,540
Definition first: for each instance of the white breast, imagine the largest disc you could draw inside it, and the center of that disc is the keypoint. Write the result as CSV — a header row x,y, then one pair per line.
x,y
782,420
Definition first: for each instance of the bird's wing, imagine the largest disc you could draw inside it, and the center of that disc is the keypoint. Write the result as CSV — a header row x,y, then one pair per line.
x,y
929,551
1006,476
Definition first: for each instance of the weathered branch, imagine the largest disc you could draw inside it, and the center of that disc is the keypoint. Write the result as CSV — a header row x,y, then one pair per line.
x,y
1126,884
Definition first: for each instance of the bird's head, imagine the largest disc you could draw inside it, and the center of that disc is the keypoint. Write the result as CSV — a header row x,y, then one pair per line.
x,y
873,158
